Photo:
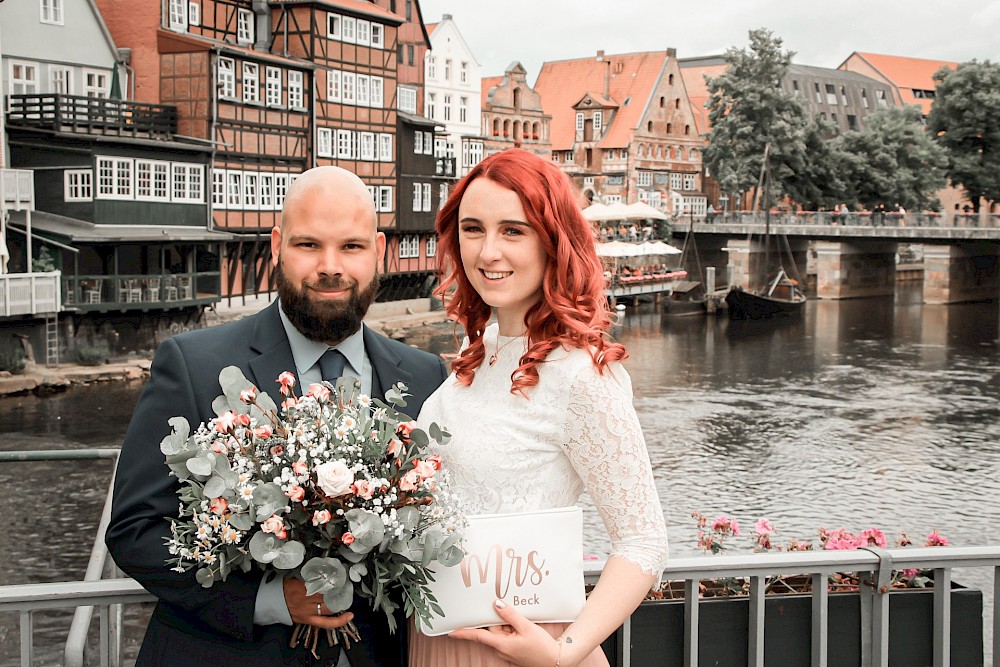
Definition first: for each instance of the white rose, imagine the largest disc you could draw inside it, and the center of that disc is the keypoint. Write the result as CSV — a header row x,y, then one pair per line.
x,y
334,477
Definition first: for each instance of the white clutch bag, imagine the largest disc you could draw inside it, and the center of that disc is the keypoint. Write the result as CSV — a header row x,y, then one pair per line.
x,y
533,561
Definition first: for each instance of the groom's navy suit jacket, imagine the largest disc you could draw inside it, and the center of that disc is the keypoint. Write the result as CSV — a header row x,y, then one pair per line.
x,y
192,625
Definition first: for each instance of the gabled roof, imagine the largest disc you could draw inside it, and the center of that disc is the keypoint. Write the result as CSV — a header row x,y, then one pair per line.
x,y
907,74
693,73
630,77
356,6
487,84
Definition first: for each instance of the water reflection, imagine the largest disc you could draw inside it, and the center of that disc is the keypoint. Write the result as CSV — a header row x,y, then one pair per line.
x,y
866,412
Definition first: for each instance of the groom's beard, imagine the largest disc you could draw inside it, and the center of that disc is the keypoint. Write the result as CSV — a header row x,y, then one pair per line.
x,y
322,320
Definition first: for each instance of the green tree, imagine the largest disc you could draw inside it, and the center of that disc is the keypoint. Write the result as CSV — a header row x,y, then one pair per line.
x,y
748,110
965,120
893,160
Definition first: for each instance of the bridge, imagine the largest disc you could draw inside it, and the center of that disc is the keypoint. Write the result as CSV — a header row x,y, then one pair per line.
x,y
855,255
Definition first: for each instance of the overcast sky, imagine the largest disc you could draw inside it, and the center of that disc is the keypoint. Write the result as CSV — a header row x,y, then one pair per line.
x,y
822,33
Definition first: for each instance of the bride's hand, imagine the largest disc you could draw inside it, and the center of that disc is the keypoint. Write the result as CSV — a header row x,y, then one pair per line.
x,y
519,641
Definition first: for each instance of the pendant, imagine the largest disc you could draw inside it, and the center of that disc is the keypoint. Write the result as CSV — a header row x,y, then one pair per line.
x,y
493,358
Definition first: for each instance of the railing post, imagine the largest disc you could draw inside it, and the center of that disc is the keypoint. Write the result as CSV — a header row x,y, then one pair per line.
x,y
820,620
878,595
27,639
691,622
941,646
755,631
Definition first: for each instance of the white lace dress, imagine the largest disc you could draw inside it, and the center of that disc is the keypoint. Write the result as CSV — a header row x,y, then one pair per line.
x,y
577,429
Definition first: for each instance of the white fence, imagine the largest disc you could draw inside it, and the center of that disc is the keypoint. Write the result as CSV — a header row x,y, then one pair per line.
x,y
30,293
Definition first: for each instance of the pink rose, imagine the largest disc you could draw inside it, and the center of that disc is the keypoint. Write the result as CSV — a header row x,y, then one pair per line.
x,y
319,391
287,381
218,506
409,481
321,517
264,431
300,468
273,524
403,430
363,488
424,469
289,402
296,493
347,538
277,450
225,422
435,460
334,477
248,396
396,448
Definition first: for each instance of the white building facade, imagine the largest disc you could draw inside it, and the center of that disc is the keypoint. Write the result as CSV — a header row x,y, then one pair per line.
x,y
452,95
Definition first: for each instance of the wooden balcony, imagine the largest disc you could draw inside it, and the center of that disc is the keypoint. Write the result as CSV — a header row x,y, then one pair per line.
x,y
92,115
17,189
141,292
29,294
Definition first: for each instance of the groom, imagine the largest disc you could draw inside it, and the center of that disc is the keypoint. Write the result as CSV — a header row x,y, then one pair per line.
x,y
326,254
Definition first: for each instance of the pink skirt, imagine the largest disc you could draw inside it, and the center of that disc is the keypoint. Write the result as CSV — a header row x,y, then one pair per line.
x,y
444,651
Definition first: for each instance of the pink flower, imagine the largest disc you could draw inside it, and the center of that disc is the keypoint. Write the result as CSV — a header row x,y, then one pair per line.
x,y
424,469
264,431
288,403
300,468
403,430
872,537
220,448
321,517
218,506
409,481
363,488
395,448
725,525
435,460
910,573
763,527
225,422
319,391
248,396
296,493
273,524
347,538
936,539
287,381
334,477
277,450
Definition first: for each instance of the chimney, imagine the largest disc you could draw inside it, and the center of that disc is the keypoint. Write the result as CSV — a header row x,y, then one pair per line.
x,y
446,17
600,56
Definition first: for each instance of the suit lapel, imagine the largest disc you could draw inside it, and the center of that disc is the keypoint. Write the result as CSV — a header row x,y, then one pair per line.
x,y
274,353
386,370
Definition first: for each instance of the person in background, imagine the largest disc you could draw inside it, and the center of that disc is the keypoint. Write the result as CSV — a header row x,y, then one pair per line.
x,y
538,402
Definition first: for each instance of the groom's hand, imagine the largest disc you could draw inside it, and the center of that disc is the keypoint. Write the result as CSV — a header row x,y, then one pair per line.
x,y
519,641
309,609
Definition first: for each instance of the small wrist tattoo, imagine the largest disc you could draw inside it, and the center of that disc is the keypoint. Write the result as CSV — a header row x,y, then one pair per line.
x,y
568,640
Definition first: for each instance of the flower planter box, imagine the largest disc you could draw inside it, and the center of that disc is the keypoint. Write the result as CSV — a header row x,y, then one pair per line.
x,y
658,631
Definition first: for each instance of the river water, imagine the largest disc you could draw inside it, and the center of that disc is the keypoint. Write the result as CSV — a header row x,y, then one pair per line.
x,y
873,412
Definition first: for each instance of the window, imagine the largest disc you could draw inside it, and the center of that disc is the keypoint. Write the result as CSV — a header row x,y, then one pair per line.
x,y
194,13
843,95
417,199
52,11
432,241
244,26
409,54
864,98
426,187
624,155
447,70
409,246
295,90
645,178
429,105
431,67
852,122
234,189
188,182
78,185
598,121
418,142
367,143
177,15
364,32
819,95
475,153
881,99
463,73
227,78
579,122
281,183
463,109
251,192
273,87
95,83
348,80
362,90
144,178
689,181
569,157
385,198
344,142
219,188
795,89
442,198
267,192
407,99
447,107
831,94
349,32
333,85
114,178
675,181
385,148
377,92
428,143
378,35
324,142
333,26
251,83
60,79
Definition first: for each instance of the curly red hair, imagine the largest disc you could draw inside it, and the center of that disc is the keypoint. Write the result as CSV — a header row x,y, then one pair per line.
x,y
573,311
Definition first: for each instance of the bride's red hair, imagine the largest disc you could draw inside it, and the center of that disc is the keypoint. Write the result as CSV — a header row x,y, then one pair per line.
x,y
573,310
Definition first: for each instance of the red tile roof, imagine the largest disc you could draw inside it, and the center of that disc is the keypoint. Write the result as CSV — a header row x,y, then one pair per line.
x,y
693,75
364,7
487,83
563,83
906,73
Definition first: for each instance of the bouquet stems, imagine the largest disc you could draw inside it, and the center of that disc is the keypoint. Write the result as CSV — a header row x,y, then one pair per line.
x,y
309,636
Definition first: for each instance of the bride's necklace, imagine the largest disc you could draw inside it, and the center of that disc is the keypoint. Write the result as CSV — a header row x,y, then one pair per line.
x,y
493,357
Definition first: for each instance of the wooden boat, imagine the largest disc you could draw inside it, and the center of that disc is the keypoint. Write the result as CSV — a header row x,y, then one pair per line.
x,y
782,298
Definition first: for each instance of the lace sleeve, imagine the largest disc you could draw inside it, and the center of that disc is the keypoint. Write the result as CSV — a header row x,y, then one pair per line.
x,y
605,445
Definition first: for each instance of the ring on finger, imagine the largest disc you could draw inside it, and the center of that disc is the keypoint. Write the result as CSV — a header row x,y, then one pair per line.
x,y
319,609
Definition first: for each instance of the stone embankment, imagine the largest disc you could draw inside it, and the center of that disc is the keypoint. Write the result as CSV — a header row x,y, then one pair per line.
x,y
394,319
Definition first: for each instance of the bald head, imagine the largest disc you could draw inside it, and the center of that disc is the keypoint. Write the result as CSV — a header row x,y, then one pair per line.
x,y
337,186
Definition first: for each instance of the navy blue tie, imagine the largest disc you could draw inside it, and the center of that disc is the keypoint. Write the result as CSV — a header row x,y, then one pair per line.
x,y
331,365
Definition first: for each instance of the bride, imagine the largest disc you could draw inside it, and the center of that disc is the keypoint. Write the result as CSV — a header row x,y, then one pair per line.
x,y
538,403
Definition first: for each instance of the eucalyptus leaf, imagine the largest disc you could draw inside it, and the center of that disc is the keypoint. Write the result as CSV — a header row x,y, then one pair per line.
x,y
367,529
200,464
241,521
340,599
177,441
268,499
290,555
233,382
323,575
204,577
264,547
214,487
409,517
419,438
357,571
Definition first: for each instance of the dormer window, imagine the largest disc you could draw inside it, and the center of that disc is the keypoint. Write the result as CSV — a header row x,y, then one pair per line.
x,y
598,122
244,26
579,122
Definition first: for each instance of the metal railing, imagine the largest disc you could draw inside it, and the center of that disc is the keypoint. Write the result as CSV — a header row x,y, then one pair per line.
x,y
30,293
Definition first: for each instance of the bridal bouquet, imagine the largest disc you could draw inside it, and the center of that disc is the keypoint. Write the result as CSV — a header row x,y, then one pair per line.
x,y
336,490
